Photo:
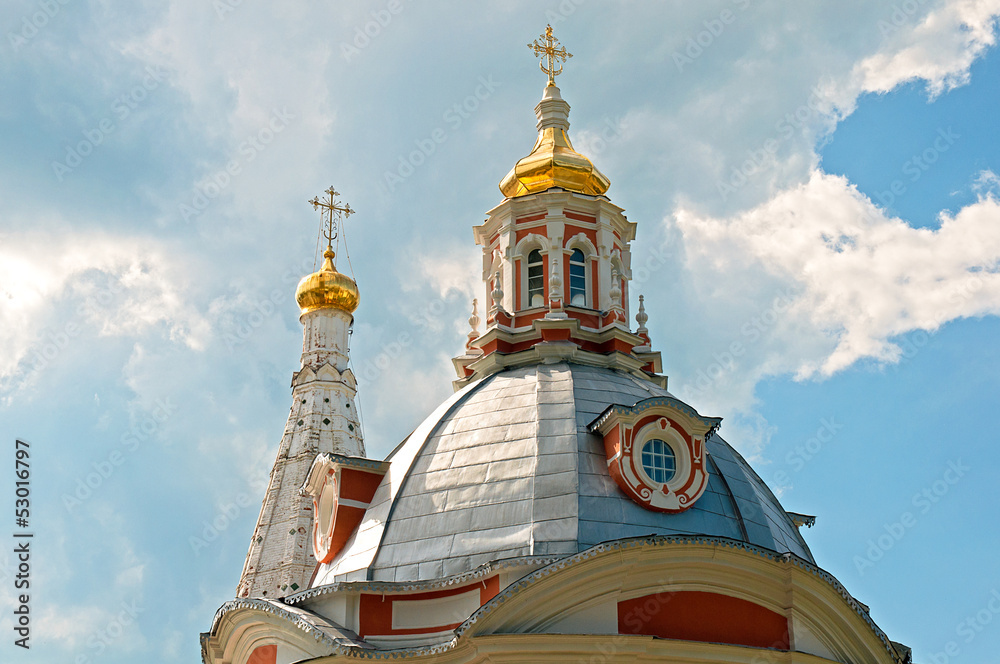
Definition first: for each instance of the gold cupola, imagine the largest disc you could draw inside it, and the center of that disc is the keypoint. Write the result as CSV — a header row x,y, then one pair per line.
x,y
327,289
553,162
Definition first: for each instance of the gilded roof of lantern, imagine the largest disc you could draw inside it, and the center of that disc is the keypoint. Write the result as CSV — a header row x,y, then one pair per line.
x,y
553,162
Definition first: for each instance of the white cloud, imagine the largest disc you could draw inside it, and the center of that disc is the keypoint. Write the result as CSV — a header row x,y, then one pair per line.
x,y
860,278
938,48
89,283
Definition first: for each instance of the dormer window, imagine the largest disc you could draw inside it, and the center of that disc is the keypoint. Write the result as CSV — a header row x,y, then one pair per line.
x,y
578,279
536,280
656,451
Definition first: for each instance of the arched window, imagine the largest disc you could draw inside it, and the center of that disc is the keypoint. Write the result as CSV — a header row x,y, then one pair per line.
x,y
536,280
578,279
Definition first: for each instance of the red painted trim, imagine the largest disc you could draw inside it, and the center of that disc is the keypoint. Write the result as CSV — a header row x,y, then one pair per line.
x,y
705,617
533,217
376,610
569,231
592,321
555,334
579,217
673,424
523,319
264,655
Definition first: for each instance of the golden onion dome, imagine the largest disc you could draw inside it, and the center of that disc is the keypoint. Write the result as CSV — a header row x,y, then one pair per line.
x,y
553,162
327,289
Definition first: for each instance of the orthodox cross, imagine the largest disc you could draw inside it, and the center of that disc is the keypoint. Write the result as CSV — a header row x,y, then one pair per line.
x,y
332,212
552,54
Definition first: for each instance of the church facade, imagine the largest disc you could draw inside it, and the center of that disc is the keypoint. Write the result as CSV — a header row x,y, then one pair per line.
x,y
562,505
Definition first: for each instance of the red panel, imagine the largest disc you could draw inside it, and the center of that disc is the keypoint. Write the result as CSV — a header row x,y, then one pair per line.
x,y
586,320
358,485
535,217
555,334
612,441
376,610
571,230
705,617
490,589
348,518
579,217
264,655
524,319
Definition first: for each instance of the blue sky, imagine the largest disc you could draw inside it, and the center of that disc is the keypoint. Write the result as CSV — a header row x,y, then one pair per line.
x,y
751,141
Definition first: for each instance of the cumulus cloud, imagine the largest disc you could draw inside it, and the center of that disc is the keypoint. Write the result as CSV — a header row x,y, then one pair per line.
x,y
55,290
859,278
938,48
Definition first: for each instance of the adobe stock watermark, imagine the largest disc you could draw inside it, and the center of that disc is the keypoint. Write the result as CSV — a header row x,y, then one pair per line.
x,y
101,639
918,164
594,142
807,450
130,442
655,262
373,368
902,13
364,34
758,158
213,185
923,501
264,307
51,343
914,341
228,512
224,8
121,108
565,9
454,117
968,629
751,332
226,516
699,43
32,24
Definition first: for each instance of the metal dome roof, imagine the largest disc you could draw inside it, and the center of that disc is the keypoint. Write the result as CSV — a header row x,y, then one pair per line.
x,y
507,469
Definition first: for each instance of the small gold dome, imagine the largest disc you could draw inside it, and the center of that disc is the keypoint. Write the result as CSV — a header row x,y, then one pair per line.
x,y
327,289
553,162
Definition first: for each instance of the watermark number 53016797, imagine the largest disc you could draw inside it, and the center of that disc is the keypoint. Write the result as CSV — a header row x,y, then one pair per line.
x,y
22,542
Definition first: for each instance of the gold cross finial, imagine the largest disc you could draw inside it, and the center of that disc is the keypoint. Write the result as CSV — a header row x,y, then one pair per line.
x,y
552,54
332,212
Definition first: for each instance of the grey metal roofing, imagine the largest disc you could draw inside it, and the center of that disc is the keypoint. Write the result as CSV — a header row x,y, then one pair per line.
x,y
506,468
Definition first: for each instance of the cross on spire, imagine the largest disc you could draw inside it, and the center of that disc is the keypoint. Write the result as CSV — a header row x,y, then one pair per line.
x,y
332,212
552,54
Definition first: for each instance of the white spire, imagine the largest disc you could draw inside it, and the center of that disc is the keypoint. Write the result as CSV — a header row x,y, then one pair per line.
x,y
323,418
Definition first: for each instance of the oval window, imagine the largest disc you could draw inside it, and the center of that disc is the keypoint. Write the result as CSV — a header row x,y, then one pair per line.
x,y
658,461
